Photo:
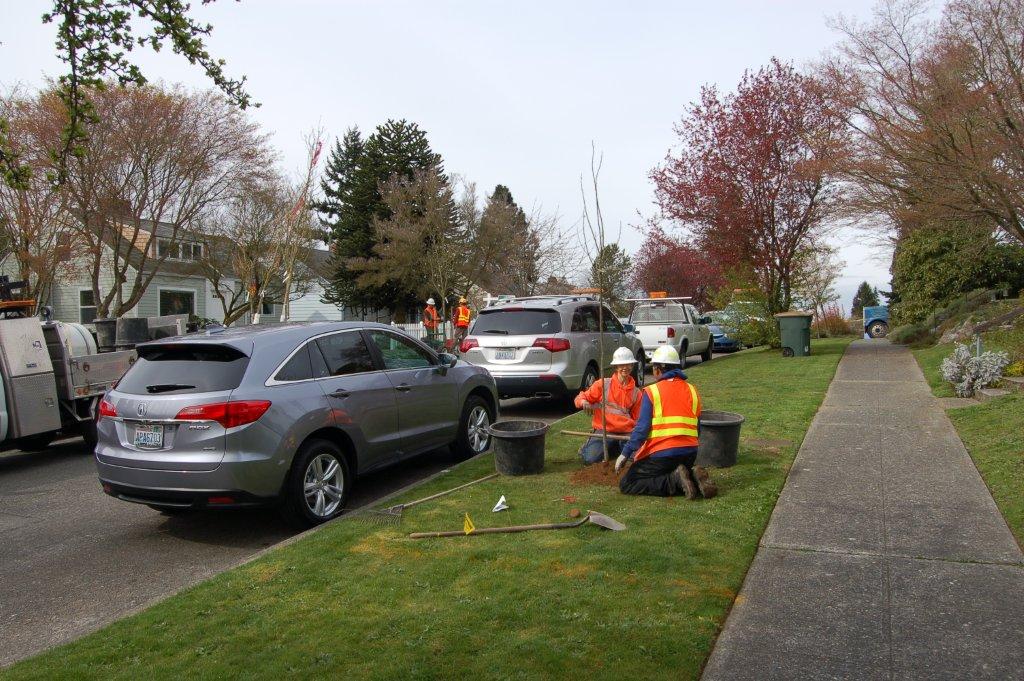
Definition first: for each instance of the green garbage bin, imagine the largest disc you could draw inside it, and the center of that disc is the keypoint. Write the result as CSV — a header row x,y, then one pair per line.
x,y
795,330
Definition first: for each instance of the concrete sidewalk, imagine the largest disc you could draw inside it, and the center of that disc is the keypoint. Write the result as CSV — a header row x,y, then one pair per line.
x,y
886,557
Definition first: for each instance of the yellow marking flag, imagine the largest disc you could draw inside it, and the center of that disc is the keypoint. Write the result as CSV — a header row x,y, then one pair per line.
x,y
467,525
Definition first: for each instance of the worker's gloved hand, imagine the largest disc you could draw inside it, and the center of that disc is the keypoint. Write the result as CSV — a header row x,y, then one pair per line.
x,y
620,462
584,405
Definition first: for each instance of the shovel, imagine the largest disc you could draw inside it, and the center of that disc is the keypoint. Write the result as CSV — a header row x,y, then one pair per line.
x,y
599,519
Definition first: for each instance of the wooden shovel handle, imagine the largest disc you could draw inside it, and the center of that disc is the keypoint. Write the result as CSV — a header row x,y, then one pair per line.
x,y
501,530
610,436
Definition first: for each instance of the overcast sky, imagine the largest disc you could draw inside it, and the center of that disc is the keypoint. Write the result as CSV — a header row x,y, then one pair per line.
x,y
508,92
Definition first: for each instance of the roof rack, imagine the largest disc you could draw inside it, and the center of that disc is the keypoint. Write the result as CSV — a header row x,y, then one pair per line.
x,y
558,299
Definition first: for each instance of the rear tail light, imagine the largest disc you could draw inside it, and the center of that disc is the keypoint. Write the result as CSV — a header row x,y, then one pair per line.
x,y
106,409
468,344
227,414
671,332
552,344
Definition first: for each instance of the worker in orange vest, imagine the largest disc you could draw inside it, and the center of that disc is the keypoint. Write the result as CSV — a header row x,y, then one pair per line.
x,y
619,398
461,318
431,319
664,441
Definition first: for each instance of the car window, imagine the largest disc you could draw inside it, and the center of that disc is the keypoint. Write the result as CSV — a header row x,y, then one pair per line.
x,y
584,320
659,313
520,322
611,324
297,368
183,369
345,353
694,314
400,353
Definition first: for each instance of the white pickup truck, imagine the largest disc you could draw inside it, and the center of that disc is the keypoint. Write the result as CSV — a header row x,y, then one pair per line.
x,y
671,321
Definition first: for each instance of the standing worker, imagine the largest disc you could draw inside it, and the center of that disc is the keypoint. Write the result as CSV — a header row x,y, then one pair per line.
x,y
431,319
664,441
619,398
461,319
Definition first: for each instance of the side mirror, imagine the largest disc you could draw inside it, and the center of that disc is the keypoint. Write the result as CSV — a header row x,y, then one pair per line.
x,y
447,362
704,320
629,328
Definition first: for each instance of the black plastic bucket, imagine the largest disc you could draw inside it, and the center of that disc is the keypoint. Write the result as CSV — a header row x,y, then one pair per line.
x,y
719,438
105,334
518,446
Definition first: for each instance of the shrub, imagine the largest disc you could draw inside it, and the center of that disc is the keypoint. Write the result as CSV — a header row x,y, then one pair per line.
x,y
831,324
1015,369
909,334
968,373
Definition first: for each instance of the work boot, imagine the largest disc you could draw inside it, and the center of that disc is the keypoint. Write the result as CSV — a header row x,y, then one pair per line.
x,y
686,483
707,487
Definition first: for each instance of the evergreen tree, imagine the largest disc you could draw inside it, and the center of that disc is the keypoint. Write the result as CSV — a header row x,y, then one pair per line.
x,y
352,199
517,272
866,296
610,273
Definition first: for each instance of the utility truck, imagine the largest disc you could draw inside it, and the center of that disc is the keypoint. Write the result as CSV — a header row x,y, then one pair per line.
x,y
52,375
662,320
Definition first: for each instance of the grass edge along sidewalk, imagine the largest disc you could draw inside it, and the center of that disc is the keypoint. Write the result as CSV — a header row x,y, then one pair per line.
x,y
993,433
370,603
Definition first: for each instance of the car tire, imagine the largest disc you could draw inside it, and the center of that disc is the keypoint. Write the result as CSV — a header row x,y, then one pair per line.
x,y
706,355
89,435
589,376
318,484
473,438
878,330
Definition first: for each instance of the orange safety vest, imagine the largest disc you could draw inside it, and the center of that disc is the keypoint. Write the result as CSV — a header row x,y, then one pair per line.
x,y
430,317
621,404
676,408
462,316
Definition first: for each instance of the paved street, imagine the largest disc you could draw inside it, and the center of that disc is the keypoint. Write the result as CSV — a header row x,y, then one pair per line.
x,y
886,557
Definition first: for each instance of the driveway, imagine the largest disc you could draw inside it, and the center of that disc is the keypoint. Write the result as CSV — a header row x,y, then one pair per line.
x,y
73,559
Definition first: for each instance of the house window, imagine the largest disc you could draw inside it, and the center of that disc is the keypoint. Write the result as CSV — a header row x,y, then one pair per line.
x,y
177,250
86,307
267,308
168,248
177,302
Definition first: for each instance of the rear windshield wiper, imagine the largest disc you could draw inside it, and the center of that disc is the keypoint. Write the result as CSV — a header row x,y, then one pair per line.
x,y
167,387
501,331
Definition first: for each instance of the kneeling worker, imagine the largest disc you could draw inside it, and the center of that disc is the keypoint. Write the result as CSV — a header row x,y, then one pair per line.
x,y
619,398
664,441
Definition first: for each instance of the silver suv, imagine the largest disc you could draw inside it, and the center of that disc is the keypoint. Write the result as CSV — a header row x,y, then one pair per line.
x,y
257,415
546,346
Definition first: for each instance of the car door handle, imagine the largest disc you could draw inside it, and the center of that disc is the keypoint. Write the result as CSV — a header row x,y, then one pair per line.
x,y
405,387
339,394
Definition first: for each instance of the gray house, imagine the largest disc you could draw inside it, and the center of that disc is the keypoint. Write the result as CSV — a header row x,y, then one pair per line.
x,y
180,284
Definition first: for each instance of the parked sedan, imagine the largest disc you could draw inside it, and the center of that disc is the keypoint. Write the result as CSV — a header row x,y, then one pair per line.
x,y
721,340
289,414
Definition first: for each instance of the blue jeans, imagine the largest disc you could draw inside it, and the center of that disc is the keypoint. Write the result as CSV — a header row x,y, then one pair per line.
x,y
592,451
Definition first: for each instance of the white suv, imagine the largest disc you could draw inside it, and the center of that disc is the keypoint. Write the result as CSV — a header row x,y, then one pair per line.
x,y
547,346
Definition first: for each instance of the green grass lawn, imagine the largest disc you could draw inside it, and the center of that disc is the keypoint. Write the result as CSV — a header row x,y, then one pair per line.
x,y
993,433
369,603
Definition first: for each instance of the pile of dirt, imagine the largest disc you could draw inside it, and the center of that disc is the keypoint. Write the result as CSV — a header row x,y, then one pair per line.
x,y
601,473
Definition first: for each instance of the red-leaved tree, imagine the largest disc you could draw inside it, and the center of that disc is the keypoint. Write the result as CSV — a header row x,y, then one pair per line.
x,y
749,181
665,263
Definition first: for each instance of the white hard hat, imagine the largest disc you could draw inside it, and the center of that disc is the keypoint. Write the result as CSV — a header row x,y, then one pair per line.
x,y
623,356
665,354
430,301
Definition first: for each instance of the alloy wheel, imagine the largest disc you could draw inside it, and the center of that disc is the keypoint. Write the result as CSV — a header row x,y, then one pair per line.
x,y
476,429
323,485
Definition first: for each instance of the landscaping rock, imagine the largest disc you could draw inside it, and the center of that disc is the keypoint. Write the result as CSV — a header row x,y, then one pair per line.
x,y
1014,383
985,394
958,333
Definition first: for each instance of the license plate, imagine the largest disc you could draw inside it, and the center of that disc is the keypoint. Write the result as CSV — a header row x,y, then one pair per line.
x,y
505,354
149,437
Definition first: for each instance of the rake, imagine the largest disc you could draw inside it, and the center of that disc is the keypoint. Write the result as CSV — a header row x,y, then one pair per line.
x,y
592,517
392,515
